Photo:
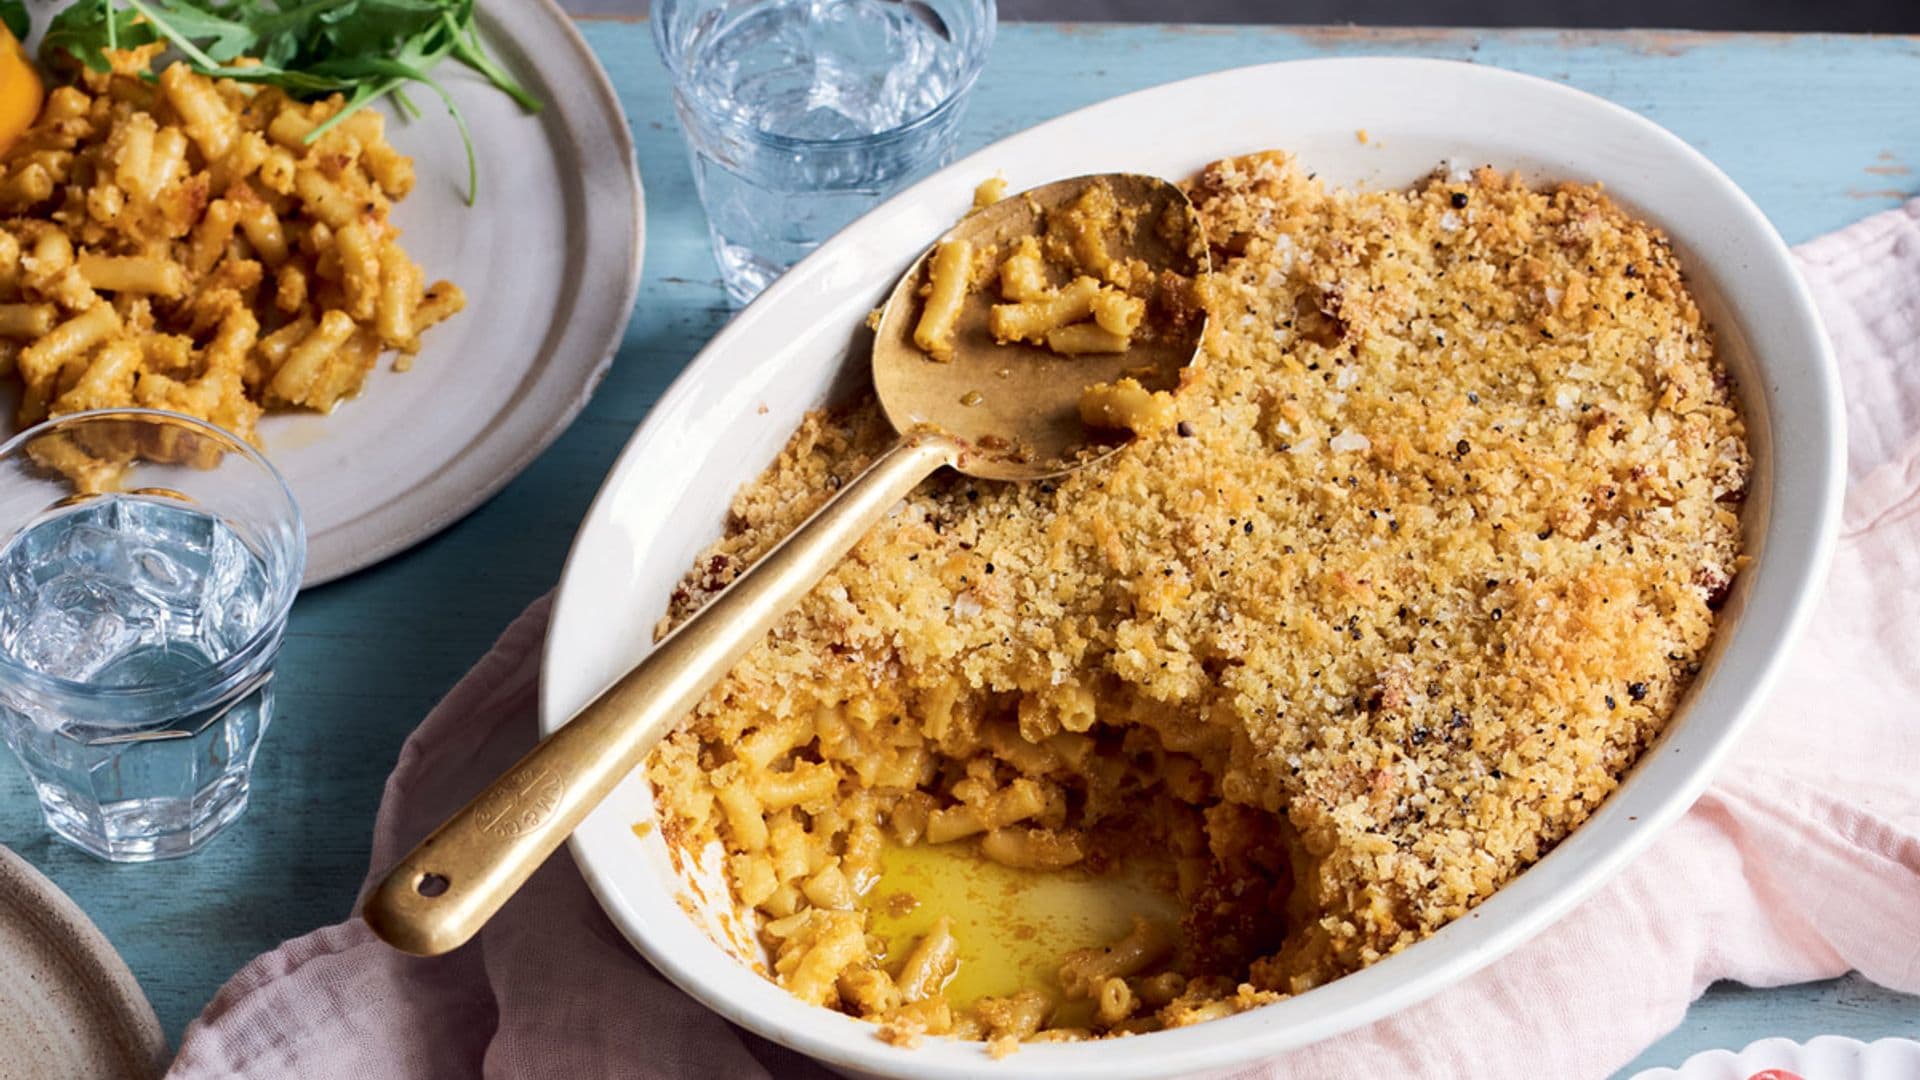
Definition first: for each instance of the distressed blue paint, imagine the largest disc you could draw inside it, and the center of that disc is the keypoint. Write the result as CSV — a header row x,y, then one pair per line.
x,y
1815,128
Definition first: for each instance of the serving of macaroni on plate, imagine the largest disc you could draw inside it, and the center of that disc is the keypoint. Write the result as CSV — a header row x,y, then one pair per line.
x,y
1427,556
179,243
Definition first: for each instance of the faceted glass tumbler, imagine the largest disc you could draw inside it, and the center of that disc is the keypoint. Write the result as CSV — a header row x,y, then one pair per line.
x,y
148,562
801,115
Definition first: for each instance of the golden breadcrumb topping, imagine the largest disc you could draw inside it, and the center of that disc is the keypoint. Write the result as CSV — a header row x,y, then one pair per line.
x,y
1426,562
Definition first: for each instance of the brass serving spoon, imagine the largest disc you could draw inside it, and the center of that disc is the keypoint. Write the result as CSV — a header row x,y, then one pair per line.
x,y
997,412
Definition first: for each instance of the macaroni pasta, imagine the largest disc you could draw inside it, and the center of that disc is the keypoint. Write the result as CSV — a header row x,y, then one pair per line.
x,y
180,244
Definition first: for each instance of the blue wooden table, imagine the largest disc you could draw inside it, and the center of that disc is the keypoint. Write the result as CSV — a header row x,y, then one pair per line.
x,y
1819,130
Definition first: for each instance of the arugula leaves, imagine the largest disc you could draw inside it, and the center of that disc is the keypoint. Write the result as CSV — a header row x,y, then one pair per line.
x,y
365,49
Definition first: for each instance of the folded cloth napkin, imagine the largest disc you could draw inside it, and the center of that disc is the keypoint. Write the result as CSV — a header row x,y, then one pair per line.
x,y
1801,862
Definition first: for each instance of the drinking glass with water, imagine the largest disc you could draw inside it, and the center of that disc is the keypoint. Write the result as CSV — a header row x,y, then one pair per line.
x,y
147,564
801,115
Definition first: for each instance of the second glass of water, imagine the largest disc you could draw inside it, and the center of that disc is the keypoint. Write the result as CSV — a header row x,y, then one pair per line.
x,y
800,115
147,564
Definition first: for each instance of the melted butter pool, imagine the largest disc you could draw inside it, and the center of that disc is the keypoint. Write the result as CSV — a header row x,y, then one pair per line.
x,y
1013,926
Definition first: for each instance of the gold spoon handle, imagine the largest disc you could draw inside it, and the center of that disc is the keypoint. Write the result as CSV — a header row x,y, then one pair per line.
x,y
453,882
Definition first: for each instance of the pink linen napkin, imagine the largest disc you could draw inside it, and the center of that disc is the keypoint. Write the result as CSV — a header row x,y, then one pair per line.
x,y
1801,862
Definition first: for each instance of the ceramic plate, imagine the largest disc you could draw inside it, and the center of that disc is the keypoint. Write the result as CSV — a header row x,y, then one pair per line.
x,y
549,257
801,343
68,1004
1829,1057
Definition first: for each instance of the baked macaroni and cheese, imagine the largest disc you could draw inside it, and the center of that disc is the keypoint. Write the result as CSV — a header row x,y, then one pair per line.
x,y
176,242
1065,290
1080,284
1426,560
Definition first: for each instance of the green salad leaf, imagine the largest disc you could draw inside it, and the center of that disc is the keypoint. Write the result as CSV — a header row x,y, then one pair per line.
x,y
364,49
